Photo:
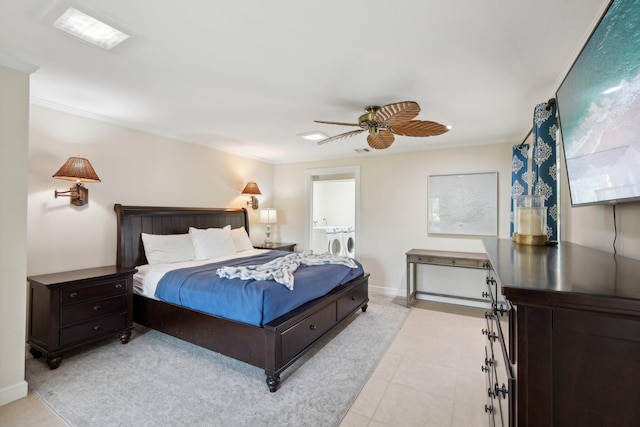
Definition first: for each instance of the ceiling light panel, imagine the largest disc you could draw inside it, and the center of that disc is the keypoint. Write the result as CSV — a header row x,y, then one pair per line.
x,y
89,29
313,136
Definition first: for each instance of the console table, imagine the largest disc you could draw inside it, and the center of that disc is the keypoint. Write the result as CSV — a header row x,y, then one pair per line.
x,y
443,258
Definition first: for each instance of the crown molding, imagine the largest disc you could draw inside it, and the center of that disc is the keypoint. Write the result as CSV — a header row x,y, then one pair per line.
x,y
17,64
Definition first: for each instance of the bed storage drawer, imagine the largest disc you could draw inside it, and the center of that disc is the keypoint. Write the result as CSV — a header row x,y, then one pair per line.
x,y
350,301
303,333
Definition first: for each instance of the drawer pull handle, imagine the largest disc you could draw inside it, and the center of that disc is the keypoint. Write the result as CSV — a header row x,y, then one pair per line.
x,y
488,362
484,368
502,390
96,328
73,294
485,295
488,409
119,286
96,307
501,309
490,335
312,327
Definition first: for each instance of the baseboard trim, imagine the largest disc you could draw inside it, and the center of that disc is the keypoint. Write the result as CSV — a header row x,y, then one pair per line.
x,y
13,392
383,290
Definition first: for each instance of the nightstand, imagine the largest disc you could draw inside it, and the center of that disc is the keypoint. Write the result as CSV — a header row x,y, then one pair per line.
x,y
278,246
72,308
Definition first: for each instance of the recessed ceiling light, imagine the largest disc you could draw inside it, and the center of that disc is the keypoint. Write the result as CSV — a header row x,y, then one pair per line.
x,y
89,29
313,136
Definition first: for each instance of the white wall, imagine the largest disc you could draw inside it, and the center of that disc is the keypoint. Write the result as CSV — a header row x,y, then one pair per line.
x,y
334,202
136,168
14,121
393,204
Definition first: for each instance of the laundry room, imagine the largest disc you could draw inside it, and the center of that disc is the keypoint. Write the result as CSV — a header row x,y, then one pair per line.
x,y
334,217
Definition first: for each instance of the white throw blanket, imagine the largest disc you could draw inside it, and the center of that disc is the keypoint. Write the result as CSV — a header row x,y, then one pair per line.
x,y
281,269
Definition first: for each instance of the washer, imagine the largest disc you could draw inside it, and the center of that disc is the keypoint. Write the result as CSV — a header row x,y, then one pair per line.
x,y
349,241
335,244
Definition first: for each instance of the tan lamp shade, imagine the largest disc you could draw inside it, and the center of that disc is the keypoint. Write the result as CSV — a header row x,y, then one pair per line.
x,y
77,169
251,188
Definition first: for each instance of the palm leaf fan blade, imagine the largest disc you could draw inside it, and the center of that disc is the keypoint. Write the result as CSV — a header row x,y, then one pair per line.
x,y
398,112
380,140
419,128
340,136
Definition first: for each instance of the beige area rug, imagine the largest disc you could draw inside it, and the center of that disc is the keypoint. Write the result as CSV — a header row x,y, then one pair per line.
x,y
160,380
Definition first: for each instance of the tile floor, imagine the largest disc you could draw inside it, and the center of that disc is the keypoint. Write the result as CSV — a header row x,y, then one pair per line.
x,y
430,376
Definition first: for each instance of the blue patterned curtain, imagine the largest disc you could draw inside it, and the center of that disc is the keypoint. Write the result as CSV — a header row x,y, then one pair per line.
x,y
544,164
519,175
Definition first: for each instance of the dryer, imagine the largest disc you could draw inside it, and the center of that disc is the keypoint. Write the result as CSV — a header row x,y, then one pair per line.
x,y
349,242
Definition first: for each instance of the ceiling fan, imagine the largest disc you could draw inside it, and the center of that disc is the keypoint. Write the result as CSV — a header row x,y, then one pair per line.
x,y
383,122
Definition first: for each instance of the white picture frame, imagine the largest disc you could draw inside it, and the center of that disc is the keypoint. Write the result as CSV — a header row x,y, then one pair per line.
x,y
463,204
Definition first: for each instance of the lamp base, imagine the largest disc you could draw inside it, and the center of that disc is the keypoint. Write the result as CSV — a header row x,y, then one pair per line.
x,y
267,241
527,239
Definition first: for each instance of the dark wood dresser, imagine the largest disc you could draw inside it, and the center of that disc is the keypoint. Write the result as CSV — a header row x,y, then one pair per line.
x,y
72,308
574,330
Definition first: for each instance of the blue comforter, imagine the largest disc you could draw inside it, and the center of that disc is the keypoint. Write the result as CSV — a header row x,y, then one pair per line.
x,y
249,301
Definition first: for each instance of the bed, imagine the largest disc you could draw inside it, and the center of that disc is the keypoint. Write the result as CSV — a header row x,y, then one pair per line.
x,y
273,346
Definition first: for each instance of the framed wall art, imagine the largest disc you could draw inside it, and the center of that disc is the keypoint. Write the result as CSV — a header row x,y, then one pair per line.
x,y
465,204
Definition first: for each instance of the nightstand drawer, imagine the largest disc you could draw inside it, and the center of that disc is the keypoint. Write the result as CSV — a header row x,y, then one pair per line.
x,y
102,326
104,289
93,309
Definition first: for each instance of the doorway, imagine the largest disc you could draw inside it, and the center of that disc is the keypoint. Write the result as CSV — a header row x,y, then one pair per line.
x,y
333,210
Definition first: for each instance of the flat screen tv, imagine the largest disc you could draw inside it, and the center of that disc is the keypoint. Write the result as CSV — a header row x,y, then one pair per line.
x,y
599,111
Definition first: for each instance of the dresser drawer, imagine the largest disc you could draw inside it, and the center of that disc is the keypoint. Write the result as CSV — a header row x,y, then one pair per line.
x,y
303,333
350,301
95,328
101,290
93,309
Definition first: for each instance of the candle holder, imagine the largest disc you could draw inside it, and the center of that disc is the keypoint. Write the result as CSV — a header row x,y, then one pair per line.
x,y
530,221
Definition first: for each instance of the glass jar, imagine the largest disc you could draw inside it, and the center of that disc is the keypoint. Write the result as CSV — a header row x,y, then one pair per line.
x,y
530,220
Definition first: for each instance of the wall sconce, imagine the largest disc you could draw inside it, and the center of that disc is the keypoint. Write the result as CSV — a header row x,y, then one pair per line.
x,y
268,216
252,189
79,170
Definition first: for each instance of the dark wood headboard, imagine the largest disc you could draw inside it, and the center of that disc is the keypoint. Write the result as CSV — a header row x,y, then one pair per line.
x,y
134,220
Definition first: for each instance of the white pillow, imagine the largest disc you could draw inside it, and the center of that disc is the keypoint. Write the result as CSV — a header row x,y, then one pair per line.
x,y
161,248
241,239
212,242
